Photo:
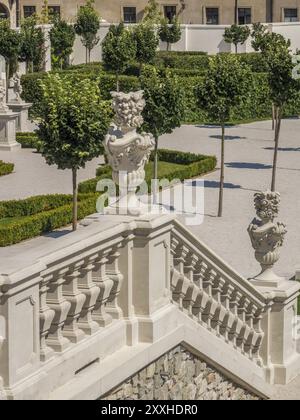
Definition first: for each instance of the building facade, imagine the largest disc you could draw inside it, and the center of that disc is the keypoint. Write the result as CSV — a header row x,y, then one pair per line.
x,y
224,12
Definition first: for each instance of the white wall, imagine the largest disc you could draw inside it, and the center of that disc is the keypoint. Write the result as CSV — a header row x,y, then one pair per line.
x,y
208,38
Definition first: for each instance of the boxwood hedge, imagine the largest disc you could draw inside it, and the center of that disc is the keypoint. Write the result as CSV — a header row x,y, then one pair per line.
x,y
6,168
25,219
192,165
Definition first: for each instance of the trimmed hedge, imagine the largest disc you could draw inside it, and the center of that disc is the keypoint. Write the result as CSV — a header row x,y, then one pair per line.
x,y
6,168
28,140
38,215
192,165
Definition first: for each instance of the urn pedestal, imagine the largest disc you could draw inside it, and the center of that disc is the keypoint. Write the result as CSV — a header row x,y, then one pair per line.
x,y
8,123
20,108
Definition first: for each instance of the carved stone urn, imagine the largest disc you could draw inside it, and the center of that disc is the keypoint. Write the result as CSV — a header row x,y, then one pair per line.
x,y
267,237
128,151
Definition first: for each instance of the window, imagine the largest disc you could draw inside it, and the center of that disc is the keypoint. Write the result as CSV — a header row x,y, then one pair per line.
x,y
54,11
170,12
244,15
290,15
212,16
29,11
129,14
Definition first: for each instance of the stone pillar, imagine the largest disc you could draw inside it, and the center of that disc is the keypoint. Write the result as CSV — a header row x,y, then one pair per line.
x,y
47,65
279,320
19,333
151,281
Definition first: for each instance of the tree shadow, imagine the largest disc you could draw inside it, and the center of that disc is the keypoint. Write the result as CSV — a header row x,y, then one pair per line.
x,y
216,184
57,234
228,137
284,149
247,165
215,126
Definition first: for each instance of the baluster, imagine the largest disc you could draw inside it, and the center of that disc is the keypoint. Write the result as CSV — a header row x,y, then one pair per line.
x,y
258,336
202,297
105,284
182,283
245,330
61,307
212,305
237,324
76,298
229,316
91,292
218,317
114,273
46,318
192,291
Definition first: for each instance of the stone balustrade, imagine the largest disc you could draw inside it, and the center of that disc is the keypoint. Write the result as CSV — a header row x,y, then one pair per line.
x,y
214,297
121,283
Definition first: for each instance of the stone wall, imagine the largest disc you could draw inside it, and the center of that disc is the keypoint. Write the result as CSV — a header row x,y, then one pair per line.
x,y
179,375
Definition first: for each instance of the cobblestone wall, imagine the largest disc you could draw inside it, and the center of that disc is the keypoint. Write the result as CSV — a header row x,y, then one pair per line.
x,y
179,375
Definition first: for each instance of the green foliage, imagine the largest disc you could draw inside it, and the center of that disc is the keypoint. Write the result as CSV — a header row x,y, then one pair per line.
x,y
6,168
226,85
258,36
25,219
152,12
28,141
32,49
170,33
164,101
87,26
9,44
188,165
62,37
179,60
147,43
73,121
118,49
236,34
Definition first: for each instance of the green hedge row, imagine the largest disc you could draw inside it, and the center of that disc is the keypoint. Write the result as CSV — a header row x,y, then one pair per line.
x,y
192,165
56,214
28,140
6,168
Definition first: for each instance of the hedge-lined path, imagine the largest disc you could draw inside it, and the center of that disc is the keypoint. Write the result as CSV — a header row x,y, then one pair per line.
x,y
249,155
32,176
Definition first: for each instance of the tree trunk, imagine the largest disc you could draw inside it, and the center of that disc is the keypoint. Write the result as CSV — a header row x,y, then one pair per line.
x,y
75,196
273,117
7,78
168,46
221,191
118,82
277,134
236,48
86,55
155,171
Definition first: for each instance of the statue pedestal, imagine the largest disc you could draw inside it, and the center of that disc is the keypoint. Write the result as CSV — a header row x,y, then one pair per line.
x,y
8,122
22,110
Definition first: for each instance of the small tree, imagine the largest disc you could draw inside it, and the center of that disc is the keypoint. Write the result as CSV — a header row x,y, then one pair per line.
x,y
32,49
258,36
62,37
73,121
170,33
164,105
225,86
9,45
283,87
236,34
147,43
152,12
87,26
45,18
118,50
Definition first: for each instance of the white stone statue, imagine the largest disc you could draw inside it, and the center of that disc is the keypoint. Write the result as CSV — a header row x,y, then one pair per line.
x,y
17,87
127,150
267,236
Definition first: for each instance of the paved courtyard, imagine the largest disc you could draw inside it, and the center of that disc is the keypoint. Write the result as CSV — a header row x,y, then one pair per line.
x,y
249,153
